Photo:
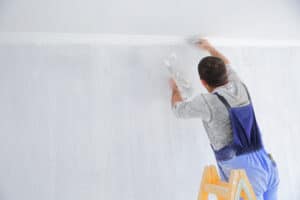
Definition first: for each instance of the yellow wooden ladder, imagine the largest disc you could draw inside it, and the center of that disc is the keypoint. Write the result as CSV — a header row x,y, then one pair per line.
x,y
238,185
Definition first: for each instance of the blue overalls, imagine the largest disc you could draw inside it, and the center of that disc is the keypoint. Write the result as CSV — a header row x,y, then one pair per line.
x,y
246,151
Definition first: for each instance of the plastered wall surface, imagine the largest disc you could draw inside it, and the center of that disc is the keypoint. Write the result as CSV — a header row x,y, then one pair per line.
x,y
84,121
85,103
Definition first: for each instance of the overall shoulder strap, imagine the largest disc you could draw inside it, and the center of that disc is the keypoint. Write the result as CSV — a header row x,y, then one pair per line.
x,y
223,100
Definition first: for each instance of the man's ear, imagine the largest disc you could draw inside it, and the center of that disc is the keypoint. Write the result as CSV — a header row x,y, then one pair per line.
x,y
203,82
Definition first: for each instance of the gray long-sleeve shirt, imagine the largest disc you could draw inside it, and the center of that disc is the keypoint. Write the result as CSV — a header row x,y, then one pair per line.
x,y
213,112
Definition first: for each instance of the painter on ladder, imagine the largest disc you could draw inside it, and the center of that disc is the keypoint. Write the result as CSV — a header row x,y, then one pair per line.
x,y
229,120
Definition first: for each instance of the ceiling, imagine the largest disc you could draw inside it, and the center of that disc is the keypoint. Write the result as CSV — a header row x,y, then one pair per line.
x,y
232,18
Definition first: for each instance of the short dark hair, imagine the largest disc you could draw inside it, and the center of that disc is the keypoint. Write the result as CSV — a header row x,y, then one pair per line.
x,y
213,70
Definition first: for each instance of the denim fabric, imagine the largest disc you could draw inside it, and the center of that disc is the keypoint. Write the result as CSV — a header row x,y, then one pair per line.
x,y
261,171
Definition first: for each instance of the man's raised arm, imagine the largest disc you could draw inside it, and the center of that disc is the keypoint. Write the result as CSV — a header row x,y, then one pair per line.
x,y
205,45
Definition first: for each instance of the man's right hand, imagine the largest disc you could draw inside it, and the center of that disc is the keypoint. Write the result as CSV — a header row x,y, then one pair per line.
x,y
205,45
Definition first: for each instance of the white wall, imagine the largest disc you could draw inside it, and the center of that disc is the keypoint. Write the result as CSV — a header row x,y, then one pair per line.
x,y
94,122
91,120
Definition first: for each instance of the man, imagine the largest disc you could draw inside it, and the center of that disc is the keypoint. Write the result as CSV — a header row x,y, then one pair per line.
x,y
229,120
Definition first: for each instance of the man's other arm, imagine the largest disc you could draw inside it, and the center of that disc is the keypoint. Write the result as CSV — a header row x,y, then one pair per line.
x,y
196,107
176,96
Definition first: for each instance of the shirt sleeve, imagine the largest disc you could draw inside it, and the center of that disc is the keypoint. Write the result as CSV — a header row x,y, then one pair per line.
x,y
231,73
195,107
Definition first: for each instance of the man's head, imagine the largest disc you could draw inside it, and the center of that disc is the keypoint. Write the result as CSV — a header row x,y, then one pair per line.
x,y
212,72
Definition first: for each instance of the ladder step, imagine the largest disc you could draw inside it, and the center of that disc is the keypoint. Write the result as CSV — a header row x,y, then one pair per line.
x,y
217,189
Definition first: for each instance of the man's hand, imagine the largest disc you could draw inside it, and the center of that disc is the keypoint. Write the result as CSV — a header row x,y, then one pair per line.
x,y
205,45
176,96
172,84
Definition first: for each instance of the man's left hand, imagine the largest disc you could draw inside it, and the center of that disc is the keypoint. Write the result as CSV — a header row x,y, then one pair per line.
x,y
172,84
